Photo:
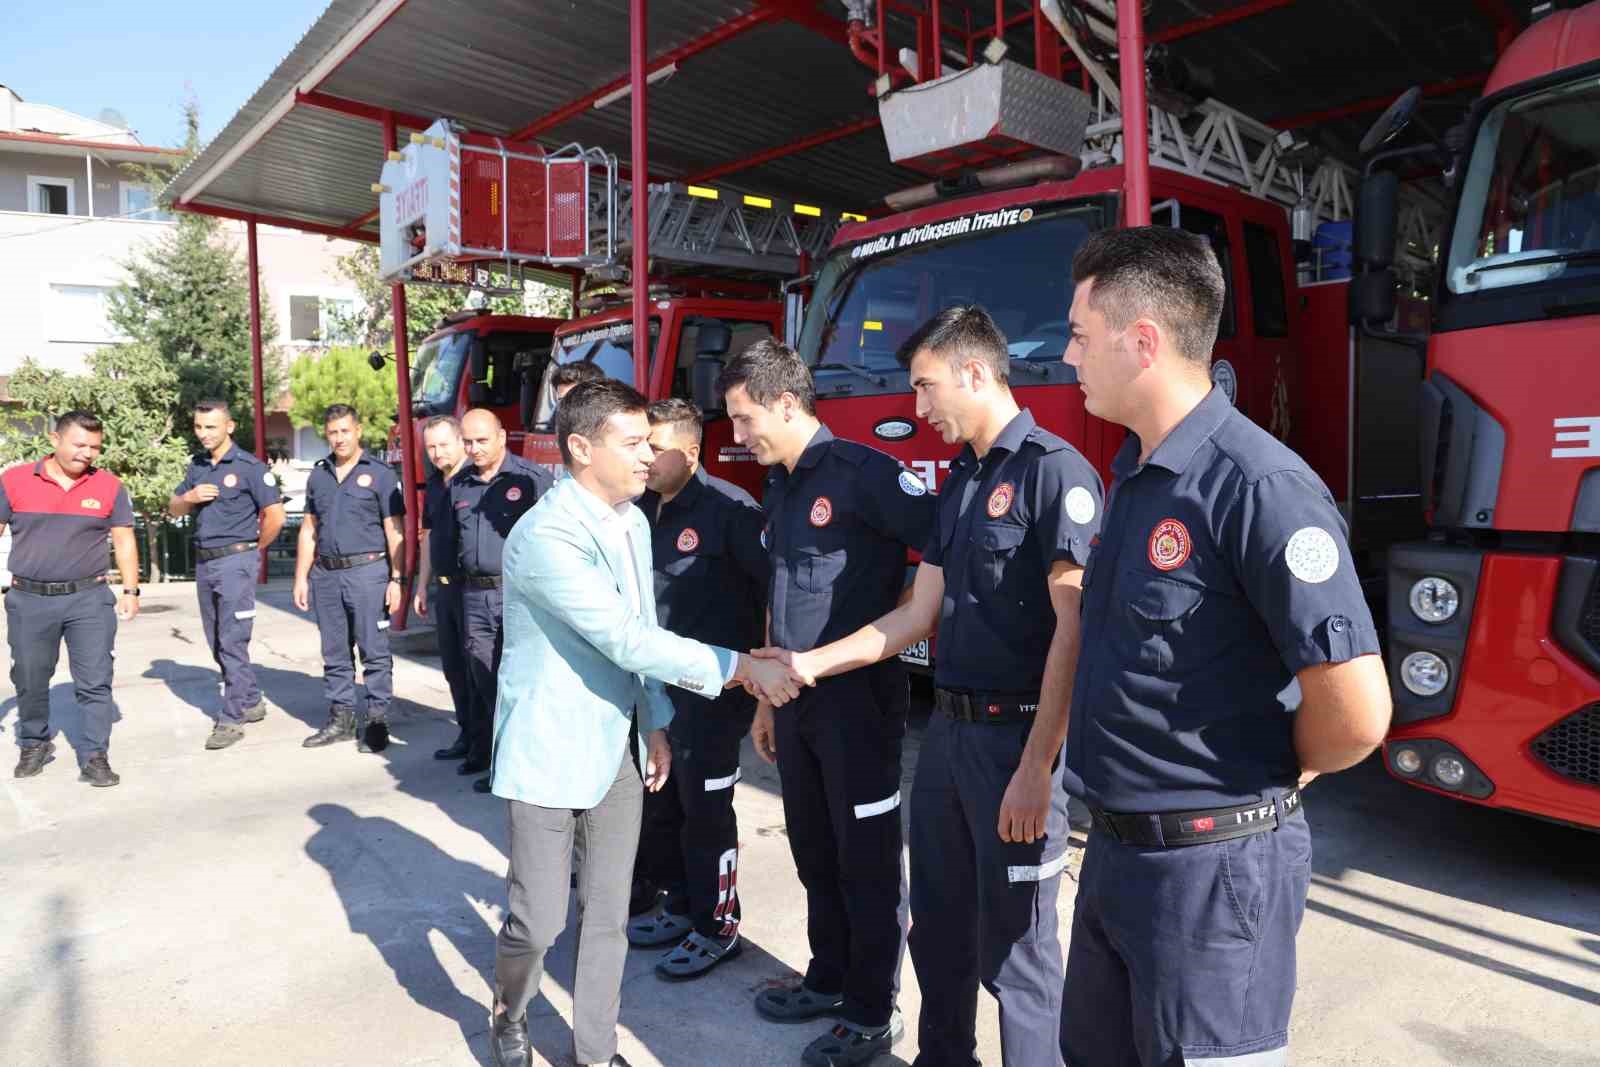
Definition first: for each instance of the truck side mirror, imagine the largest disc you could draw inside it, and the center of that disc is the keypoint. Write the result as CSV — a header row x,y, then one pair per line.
x,y
714,339
1372,297
703,382
1375,218
1394,119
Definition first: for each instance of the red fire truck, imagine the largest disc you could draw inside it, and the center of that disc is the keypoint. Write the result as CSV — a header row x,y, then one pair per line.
x,y
1494,617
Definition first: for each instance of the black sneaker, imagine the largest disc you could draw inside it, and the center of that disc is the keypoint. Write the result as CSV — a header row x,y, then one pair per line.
x,y
848,1045
97,772
34,757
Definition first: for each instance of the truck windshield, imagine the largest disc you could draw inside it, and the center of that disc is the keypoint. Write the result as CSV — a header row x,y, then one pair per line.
x,y
608,347
1015,262
436,372
1530,200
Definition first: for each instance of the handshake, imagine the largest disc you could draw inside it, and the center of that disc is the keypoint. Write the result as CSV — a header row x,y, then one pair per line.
x,y
775,675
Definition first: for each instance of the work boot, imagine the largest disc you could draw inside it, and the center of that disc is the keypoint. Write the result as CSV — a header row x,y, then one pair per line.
x,y
34,757
256,713
375,735
224,734
341,727
97,771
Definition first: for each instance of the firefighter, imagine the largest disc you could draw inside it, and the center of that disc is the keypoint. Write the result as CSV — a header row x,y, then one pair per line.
x,y
1001,577
348,564
60,510
1222,573
438,592
711,575
488,495
237,508
840,518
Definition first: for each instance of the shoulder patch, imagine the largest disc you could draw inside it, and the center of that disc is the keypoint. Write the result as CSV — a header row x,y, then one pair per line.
x,y
911,485
268,479
1079,504
1312,555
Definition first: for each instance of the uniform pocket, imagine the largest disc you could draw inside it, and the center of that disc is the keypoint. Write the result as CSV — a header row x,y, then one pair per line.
x,y
1157,608
998,543
818,571
1243,877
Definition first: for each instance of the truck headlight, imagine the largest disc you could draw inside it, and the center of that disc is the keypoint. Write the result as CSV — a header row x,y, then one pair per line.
x,y
1424,673
1434,600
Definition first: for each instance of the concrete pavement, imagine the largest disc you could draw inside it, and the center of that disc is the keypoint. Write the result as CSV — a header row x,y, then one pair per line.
x,y
270,904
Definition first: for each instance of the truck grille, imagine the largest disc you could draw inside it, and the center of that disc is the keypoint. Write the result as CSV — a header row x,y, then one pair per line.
x,y
1571,747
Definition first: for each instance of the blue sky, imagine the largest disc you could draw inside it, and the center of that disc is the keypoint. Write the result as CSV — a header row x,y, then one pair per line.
x,y
144,59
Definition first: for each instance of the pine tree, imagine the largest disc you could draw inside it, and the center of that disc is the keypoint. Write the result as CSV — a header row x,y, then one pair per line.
x,y
343,376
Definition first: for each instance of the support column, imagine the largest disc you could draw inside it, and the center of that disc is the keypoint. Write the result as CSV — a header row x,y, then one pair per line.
x,y
408,441
258,402
1135,114
639,169
88,179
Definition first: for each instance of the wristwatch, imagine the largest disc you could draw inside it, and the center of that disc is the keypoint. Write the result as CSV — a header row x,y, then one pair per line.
x,y
130,592
396,578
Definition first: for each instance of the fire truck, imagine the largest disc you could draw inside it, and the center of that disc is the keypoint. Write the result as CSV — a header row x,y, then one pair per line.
x,y
1494,614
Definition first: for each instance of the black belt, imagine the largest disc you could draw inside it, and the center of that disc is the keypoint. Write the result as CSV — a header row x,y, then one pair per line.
x,y
206,555
482,581
1179,828
28,585
445,579
978,707
344,563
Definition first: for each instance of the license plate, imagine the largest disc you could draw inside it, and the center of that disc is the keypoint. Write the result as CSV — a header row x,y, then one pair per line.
x,y
917,654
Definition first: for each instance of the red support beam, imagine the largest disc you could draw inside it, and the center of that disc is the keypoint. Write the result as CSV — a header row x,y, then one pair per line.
x,y
1217,21
356,109
278,220
1373,103
638,75
733,166
723,33
1046,44
258,389
1135,114
408,442
356,224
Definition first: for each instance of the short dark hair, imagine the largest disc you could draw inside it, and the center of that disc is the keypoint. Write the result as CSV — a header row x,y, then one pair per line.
x,y
205,407
960,334
576,374
768,369
68,419
442,420
586,409
684,415
339,411
1158,272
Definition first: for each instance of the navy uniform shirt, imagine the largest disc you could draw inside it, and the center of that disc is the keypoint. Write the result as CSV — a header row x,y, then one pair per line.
x,y
1222,570
837,532
244,488
350,513
1003,521
486,511
59,535
711,572
439,520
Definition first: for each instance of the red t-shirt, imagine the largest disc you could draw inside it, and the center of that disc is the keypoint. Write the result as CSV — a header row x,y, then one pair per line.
x,y
59,535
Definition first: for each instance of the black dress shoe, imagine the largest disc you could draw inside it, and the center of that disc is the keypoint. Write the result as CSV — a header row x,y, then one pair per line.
x,y
483,785
473,765
459,750
508,1040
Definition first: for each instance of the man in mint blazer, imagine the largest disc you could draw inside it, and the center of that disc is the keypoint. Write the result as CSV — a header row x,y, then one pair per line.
x,y
583,670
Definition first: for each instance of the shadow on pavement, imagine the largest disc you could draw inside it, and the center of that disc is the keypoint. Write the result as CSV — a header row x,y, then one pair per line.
x,y
66,720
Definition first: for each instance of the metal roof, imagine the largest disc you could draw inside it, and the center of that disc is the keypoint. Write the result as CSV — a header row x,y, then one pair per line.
x,y
498,65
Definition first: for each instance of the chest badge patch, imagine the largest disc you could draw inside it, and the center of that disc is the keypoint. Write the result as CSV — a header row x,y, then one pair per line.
x,y
1079,503
514,494
230,480
1170,545
1001,499
911,485
689,540
1312,555
364,480
88,503
821,512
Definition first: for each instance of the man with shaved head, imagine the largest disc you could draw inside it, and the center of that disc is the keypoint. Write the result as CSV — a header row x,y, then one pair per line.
x,y
488,496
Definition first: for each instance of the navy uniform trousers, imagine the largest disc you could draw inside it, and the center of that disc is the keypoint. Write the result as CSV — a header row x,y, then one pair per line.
x,y
839,759
35,627
689,840
351,614
1152,925
444,608
483,629
983,911
227,591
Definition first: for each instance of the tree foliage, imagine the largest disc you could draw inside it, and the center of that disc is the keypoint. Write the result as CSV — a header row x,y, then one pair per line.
x,y
343,376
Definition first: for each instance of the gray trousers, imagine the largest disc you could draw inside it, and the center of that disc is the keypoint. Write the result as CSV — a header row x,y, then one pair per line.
x,y
606,837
